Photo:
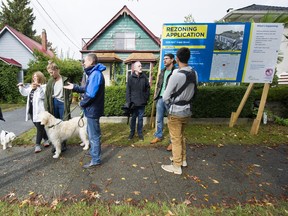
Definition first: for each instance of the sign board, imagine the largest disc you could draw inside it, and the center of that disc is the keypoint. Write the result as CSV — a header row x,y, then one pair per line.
x,y
226,52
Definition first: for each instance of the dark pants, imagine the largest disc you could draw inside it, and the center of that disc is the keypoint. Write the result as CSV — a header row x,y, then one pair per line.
x,y
41,133
137,112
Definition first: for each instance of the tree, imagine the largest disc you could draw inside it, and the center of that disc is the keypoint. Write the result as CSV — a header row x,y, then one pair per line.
x,y
189,19
19,16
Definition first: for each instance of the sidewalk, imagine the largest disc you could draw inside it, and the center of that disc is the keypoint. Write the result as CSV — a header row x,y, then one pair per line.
x,y
227,174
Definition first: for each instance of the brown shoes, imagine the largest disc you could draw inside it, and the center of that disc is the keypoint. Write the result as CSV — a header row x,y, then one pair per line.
x,y
155,140
169,147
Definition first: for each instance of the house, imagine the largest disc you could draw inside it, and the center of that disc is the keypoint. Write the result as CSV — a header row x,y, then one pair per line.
x,y
121,42
12,62
20,48
256,12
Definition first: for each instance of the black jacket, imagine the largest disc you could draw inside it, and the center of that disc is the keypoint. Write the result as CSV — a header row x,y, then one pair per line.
x,y
137,89
161,81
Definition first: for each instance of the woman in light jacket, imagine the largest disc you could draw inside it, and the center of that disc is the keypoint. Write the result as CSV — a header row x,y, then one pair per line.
x,y
35,93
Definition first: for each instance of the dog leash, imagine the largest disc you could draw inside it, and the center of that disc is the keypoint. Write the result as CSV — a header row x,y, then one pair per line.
x,y
81,117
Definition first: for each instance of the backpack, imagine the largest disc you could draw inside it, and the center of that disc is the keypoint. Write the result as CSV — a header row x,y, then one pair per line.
x,y
190,78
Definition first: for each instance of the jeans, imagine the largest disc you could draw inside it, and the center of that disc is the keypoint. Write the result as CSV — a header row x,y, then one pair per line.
x,y
137,112
161,109
58,108
94,135
176,127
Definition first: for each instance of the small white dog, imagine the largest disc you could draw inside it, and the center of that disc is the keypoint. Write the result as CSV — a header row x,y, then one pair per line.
x,y
6,138
58,130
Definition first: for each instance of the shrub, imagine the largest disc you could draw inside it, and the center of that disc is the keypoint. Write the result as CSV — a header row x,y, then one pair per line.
x,y
210,102
9,92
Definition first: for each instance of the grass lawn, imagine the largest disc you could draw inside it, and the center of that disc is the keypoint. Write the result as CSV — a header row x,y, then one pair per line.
x,y
117,134
201,134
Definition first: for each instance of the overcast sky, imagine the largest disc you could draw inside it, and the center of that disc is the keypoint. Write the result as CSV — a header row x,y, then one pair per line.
x,y
77,19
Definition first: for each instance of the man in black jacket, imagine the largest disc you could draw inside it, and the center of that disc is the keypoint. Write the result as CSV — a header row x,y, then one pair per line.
x,y
137,93
160,105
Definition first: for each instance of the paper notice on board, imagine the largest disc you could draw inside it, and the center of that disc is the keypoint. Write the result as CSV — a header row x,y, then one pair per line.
x,y
262,52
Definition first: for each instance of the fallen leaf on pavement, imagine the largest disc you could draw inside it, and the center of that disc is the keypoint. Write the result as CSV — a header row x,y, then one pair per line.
x,y
136,192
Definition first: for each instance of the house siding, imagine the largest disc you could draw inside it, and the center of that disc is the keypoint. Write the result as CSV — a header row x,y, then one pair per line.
x,y
10,47
106,41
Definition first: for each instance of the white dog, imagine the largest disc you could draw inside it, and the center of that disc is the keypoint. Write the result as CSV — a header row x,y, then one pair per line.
x,y
6,138
58,130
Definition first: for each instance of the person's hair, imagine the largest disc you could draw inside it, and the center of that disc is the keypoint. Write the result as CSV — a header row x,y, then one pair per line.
x,y
137,62
171,56
183,54
52,66
93,57
41,77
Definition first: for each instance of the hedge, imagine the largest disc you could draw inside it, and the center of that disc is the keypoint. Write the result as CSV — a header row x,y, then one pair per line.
x,y
9,92
210,102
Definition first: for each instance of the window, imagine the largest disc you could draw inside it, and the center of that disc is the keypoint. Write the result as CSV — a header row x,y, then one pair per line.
x,y
124,41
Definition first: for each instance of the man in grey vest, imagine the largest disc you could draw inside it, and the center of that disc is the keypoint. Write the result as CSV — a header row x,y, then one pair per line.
x,y
178,100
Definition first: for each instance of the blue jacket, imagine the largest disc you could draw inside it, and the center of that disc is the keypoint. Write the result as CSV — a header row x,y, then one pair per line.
x,y
94,92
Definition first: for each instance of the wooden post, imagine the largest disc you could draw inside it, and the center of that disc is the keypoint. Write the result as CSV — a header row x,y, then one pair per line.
x,y
256,123
235,115
152,118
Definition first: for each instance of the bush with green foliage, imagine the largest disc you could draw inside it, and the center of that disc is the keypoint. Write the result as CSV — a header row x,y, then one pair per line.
x,y
9,92
68,67
210,102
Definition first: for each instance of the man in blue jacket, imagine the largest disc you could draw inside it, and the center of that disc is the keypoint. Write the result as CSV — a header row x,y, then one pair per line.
x,y
92,104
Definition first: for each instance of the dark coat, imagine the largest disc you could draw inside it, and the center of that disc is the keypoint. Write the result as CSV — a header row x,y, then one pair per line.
x,y
161,81
137,89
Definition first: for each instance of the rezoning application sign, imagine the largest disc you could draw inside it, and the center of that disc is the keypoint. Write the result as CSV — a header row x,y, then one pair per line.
x,y
226,52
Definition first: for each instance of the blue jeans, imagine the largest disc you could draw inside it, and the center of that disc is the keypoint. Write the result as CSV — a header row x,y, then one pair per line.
x,y
94,135
58,107
161,109
137,112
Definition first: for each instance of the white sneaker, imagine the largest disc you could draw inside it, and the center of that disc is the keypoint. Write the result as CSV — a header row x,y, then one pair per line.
x,y
46,143
37,149
184,163
172,168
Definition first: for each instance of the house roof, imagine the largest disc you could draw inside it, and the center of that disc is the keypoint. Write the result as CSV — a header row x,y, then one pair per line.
x,y
140,57
10,62
253,11
108,57
30,44
124,10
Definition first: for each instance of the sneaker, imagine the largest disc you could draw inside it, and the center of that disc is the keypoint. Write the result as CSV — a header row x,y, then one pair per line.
x,y
130,136
172,168
155,140
37,149
141,138
184,163
90,165
169,147
46,143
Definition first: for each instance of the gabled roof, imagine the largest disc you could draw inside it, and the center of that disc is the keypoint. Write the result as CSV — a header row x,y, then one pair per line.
x,y
30,44
149,57
254,12
120,13
108,57
10,62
